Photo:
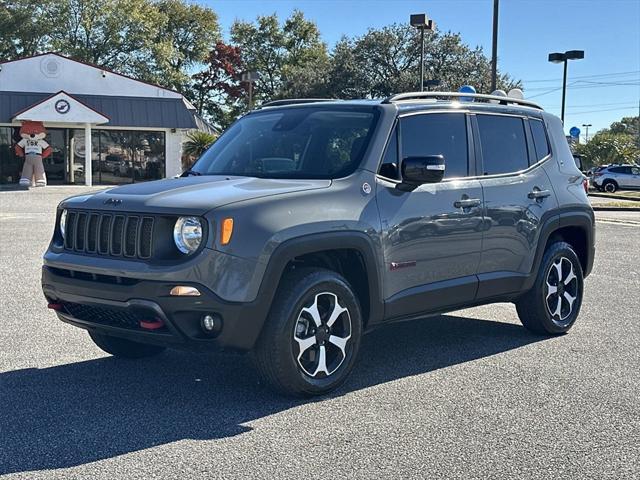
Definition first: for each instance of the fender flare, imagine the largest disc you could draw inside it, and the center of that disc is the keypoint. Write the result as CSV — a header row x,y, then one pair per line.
x,y
317,242
581,217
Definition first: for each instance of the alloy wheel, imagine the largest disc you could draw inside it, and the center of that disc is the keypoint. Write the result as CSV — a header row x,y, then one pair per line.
x,y
321,334
561,291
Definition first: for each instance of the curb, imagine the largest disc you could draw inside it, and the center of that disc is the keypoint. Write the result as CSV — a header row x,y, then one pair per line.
x,y
613,196
615,209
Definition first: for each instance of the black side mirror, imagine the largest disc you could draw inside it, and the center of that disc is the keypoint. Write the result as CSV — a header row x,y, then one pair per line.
x,y
419,170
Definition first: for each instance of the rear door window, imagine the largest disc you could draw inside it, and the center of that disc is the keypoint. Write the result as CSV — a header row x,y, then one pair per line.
x,y
437,134
503,144
540,142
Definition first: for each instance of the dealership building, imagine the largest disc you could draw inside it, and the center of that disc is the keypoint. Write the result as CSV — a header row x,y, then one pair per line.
x,y
133,130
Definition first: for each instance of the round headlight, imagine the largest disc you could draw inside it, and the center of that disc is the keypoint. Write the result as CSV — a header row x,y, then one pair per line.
x,y
63,222
187,234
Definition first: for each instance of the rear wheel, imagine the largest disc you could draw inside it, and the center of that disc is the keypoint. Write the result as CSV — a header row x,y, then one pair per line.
x,y
610,186
553,303
311,338
123,348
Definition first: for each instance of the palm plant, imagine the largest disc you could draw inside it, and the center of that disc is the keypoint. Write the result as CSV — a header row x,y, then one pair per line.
x,y
197,142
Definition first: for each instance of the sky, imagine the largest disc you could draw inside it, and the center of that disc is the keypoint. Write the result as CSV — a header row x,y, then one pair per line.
x,y
602,88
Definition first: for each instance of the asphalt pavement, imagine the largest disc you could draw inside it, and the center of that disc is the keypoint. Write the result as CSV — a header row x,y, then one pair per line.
x,y
465,395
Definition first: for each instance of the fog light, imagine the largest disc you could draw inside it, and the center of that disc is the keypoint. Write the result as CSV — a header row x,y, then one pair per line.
x,y
184,291
211,323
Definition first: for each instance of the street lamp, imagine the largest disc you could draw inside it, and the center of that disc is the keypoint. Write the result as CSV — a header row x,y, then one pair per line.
x,y
586,133
564,58
422,23
250,77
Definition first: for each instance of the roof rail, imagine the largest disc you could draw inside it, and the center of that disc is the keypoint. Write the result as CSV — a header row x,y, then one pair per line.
x,y
295,101
400,97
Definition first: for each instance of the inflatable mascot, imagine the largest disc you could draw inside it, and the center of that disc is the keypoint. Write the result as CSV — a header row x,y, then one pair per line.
x,y
33,148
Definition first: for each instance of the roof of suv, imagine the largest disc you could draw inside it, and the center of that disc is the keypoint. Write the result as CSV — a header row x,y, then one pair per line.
x,y
428,101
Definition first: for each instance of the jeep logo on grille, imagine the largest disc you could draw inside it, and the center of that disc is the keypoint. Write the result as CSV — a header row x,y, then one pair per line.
x,y
113,201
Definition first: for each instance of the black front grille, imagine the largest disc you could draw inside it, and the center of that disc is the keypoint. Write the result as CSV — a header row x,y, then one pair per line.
x,y
109,316
107,234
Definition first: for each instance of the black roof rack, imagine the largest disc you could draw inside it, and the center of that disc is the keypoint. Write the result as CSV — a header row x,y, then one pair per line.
x,y
295,101
405,97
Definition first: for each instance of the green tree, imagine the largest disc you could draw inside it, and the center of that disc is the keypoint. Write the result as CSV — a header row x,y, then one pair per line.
x,y
606,147
387,61
195,145
25,27
153,40
186,34
290,58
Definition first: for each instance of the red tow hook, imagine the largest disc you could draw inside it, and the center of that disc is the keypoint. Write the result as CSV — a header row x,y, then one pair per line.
x,y
152,325
55,306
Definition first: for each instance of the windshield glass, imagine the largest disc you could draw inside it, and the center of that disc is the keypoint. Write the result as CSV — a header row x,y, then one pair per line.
x,y
306,142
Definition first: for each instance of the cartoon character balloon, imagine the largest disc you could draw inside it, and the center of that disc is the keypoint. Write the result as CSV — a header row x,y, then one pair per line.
x,y
33,148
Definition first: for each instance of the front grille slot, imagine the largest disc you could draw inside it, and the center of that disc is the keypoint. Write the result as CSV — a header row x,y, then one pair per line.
x,y
106,234
113,317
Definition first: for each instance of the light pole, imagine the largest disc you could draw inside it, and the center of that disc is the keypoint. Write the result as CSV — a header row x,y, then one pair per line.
x,y
422,23
564,58
586,133
250,77
494,47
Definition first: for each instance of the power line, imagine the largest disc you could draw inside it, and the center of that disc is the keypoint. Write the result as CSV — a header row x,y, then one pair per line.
x,y
602,75
602,110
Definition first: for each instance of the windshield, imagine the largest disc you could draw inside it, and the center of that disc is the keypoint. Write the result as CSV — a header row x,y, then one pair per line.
x,y
306,142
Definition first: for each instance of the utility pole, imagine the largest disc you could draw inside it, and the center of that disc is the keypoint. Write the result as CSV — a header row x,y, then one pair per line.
x,y
494,47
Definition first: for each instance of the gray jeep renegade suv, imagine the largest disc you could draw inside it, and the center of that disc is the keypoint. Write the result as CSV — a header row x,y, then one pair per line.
x,y
308,223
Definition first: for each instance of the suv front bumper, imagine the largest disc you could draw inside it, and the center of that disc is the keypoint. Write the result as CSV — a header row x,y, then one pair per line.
x,y
116,306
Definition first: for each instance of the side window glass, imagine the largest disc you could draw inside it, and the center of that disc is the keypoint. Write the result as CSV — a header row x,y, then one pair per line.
x,y
437,134
503,144
635,171
540,141
390,164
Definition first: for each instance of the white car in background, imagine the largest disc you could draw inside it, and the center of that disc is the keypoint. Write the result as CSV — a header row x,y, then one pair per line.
x,y
616,177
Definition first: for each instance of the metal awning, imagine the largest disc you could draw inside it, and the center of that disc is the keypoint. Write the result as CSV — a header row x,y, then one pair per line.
x,y
121,111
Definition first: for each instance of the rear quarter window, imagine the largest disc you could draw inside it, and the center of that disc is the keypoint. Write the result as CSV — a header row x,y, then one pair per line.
x,y
540,141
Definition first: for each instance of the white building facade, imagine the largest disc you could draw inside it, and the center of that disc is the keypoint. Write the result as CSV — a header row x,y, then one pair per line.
x,y
133,130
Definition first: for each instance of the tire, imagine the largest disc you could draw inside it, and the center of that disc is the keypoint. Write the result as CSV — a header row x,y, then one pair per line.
x,y
289,352
123,348
610,186
538,308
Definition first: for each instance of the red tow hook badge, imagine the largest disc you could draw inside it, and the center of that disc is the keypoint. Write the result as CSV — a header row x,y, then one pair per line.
x,y
55,306
152,325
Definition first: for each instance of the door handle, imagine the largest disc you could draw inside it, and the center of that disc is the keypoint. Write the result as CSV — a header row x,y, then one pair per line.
x,y
467,203
536,194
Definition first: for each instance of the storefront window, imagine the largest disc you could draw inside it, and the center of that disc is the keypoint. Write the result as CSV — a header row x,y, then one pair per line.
x,y
117,156
10,163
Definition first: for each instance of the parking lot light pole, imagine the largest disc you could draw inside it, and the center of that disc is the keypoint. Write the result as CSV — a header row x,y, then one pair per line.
x,y
250,77
557,57
422,23
586,133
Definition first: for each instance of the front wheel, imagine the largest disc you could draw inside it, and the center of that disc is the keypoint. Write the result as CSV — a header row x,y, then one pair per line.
x,y
312,335
123,348
553,303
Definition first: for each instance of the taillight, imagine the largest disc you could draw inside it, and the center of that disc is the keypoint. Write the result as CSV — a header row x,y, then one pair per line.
x,y
598,174
585,184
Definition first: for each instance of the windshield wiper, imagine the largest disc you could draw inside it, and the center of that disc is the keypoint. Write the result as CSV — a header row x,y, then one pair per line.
x,y
188,173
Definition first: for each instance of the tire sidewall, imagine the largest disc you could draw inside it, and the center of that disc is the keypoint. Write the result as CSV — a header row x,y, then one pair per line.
x,y
312,284
558,250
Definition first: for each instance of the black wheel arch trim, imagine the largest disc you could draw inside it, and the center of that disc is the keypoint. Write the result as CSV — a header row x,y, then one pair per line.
x,y
318,242
580,216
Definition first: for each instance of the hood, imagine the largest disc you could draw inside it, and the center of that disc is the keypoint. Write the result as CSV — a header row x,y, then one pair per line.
x,y
189,195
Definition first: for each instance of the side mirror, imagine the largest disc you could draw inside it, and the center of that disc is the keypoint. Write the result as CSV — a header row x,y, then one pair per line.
x,y
419,170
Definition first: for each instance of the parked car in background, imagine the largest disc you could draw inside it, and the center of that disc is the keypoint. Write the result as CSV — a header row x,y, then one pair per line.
x,y
616,177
